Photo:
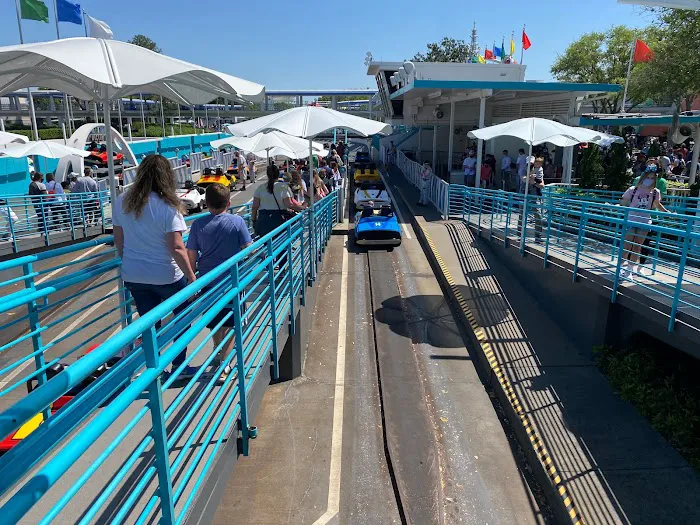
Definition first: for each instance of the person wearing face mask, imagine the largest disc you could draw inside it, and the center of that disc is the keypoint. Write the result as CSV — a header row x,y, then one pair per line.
x,y
643,196
661,183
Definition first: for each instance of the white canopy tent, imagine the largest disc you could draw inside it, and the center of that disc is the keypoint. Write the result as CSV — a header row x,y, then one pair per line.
x,y
536,131
12,138
50,150
106,70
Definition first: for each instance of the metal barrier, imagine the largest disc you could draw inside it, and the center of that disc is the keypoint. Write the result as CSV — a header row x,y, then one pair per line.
x,y
196,162
438,192
677,203
140,444
30,221
591,236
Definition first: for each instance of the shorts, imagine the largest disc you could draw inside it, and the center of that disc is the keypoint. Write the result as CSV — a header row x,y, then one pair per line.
x,y
638,230
228,323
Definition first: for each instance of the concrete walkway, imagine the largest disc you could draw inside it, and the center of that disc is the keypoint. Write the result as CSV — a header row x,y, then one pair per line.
x,y
612,466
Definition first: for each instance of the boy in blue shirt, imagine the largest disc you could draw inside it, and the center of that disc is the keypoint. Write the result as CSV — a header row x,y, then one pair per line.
x,y
213,240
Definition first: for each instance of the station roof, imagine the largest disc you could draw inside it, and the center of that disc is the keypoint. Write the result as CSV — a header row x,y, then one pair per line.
x,y
423,88
630,119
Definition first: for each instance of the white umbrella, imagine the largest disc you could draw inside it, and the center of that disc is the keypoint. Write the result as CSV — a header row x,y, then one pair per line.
x,y
536,131
105,70
676,4
281,152
267,141
308,122
50,150
12,138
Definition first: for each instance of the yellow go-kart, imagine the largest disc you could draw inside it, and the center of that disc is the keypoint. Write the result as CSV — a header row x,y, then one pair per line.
x,y
366,173
219,177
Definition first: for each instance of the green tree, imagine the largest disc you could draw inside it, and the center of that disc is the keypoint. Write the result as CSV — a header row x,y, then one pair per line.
x,y
599,58
616,176
672,75
447,50
591,167
144,41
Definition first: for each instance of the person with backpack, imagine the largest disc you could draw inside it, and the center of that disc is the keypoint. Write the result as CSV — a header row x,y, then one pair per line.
x,y
38,192
643,196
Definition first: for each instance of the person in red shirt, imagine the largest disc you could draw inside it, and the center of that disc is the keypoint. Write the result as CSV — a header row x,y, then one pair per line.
x,y
486,173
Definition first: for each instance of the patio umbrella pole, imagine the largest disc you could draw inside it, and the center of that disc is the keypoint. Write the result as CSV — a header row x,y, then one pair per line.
x,y
311,205
527,187
110,152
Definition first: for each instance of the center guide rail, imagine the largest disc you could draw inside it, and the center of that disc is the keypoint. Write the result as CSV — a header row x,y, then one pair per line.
x,y
101,435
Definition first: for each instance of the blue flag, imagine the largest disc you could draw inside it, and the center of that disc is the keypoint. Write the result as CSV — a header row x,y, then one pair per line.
x,y
498,52
68,12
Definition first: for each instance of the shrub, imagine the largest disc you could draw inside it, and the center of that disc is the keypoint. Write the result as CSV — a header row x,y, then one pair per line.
x,y
617,178
591,167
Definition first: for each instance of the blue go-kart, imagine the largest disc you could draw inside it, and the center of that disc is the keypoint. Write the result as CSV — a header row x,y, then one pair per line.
x,y
377,227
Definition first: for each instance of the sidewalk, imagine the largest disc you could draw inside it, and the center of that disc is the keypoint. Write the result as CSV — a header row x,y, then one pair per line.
x,y
602,459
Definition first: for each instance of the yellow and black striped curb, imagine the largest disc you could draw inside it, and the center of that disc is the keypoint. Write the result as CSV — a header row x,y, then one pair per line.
x,y
539,448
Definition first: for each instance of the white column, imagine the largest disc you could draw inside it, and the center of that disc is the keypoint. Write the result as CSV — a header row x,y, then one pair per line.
x,y
696,154
567,164
110,151
32,112
480,143
419,156
435,148
451,139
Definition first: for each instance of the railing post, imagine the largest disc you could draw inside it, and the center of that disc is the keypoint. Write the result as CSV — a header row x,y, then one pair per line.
x,y
35,326
579,240
159,430
240,363
291,279
549,231
304,280
70,214
523,229
620,256
681,270
509,204
82,213
102,210
273,308
12,227
44,208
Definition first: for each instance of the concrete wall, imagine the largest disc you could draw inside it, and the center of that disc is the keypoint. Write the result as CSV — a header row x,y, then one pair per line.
x,y
583,308
459,71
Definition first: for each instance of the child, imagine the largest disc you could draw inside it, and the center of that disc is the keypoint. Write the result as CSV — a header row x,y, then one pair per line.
x,y
213,240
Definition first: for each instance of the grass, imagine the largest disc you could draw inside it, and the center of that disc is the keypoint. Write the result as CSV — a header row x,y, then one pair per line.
x,y
661,383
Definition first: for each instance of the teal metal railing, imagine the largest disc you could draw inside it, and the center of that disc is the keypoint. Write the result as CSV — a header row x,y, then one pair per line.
x,y
133,444
596,237
30,221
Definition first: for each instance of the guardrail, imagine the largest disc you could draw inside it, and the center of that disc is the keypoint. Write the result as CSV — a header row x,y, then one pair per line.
x,y
438,191
590,236
29,221
675,202
139,444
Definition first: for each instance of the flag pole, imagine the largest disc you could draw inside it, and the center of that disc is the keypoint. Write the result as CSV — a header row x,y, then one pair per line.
x,y
29,93
629,70
85,21
55,12
522,47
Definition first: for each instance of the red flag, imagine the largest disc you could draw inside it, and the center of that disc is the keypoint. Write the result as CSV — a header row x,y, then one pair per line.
x,y
526,41
642,52
488,55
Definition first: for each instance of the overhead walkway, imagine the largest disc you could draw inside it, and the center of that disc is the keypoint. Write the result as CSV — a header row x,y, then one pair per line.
x,y
596,458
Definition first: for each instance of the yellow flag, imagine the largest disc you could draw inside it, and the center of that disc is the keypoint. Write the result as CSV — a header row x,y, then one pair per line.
x,y
482,60
512,47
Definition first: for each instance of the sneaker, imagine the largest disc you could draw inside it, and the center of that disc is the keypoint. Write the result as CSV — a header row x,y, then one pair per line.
x,y
226,372
187,372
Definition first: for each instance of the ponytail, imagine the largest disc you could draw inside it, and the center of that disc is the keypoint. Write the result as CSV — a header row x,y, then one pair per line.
x,y
273,173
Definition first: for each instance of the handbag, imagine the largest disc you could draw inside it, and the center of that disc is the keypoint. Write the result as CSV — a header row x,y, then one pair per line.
x,y
286,214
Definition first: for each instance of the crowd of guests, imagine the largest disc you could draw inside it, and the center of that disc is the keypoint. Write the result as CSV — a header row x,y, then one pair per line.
x,y
53,201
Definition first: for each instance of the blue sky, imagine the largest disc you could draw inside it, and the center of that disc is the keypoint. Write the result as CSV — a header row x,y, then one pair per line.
x,y
312,44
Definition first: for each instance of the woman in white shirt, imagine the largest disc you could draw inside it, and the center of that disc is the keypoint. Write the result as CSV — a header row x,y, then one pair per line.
x,y
148,228
270,202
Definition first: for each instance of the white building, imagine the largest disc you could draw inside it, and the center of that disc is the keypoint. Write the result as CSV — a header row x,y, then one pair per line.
x,y
439,103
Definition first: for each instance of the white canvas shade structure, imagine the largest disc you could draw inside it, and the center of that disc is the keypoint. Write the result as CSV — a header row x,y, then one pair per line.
x,y
42,148
307,122
12,138
536,131
288,145
106,70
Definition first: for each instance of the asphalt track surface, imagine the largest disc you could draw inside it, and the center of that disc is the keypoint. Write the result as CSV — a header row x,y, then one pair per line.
x,y
420,440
